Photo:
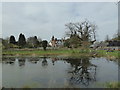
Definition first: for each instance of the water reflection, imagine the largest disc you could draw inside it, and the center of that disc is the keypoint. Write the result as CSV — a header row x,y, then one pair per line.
x,y
33,60
54,60
8,60
44,62
82,71
21,62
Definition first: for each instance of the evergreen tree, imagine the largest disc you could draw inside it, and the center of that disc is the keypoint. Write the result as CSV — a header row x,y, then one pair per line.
x,y
12,39
21,40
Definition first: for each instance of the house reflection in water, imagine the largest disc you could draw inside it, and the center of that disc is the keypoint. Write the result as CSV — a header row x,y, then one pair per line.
x,y
54,60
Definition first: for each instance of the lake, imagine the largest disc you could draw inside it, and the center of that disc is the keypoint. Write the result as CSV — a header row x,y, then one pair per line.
x,y
57,72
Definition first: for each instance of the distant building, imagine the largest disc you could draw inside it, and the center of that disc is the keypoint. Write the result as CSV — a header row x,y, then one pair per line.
x,y
110,45
54,42
115,43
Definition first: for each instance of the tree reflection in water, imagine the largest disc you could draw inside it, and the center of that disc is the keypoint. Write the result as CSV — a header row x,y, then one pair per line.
x,y
33,60
21,62
44,62
82,72
8,60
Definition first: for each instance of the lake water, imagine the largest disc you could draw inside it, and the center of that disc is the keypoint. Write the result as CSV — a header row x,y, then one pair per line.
x,y
46,72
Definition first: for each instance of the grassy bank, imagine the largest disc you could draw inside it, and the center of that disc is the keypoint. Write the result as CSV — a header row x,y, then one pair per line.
x,y
61,52
110,55
37,52
113,85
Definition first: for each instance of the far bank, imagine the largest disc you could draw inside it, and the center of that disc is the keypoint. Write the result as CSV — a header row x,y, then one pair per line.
x,y
60,52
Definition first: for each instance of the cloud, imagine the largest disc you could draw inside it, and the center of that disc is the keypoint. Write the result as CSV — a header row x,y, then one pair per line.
x,y
47,19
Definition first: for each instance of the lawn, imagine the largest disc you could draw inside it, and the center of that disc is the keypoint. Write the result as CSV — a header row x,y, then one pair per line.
x,y
60,52
104,53
37,52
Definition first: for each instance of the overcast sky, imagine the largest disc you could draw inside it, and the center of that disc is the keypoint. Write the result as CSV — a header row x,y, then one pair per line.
x,y
47,19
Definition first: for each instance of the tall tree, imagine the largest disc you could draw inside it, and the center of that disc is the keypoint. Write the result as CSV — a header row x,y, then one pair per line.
x,y
81,32
44,44
85,30
12,39
21,40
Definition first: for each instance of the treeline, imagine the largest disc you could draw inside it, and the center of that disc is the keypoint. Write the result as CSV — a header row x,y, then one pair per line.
x,y
31,42
78,34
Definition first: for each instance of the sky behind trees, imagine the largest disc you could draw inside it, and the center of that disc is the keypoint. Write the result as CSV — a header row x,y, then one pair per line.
x,y
47,19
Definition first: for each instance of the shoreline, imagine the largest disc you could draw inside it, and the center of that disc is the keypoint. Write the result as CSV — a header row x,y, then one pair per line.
x,y
75,53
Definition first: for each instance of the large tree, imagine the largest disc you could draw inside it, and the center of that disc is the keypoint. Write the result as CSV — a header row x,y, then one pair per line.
x,y
44,44
33,42
85,31
21,40
12,39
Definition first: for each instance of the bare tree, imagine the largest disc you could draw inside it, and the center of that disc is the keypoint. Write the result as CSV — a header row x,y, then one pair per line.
x,y
82,71
86,30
